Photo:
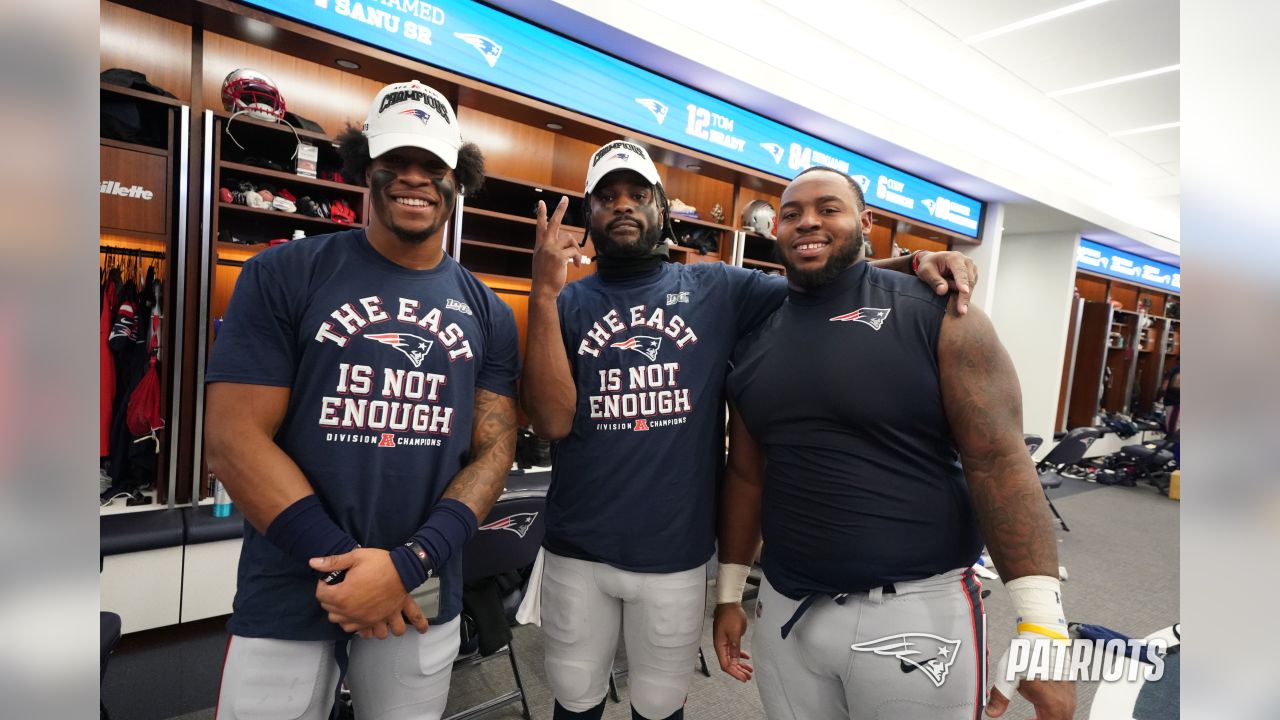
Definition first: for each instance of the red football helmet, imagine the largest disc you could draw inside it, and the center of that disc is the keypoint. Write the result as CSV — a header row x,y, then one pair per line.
x,y
254,94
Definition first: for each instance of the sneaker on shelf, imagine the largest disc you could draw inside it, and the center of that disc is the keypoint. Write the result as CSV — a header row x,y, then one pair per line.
x,y
254,200
283,204
341,212
307,206
681,208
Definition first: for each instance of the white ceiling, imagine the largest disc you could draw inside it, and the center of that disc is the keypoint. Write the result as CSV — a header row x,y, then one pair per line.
x,y
1096,43
896,80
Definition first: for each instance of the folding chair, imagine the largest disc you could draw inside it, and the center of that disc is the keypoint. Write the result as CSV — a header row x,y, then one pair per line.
x,y
508,540
1069,451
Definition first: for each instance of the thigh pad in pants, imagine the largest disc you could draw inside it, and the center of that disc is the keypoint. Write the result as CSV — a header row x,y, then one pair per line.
x,y
266,679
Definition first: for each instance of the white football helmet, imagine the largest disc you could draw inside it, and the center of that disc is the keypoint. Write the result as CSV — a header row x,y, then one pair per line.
x,y
759,216
253,93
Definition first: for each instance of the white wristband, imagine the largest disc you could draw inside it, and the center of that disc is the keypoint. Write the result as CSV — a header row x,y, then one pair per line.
x,y
731,582
1037,603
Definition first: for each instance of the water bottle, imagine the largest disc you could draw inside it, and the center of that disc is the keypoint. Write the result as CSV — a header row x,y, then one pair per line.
x,y
221,502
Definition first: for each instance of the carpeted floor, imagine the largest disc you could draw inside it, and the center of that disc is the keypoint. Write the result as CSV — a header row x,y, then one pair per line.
x,y
1121,556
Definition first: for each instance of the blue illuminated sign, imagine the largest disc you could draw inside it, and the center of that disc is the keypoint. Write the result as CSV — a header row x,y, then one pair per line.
x,y
1129,267
493,47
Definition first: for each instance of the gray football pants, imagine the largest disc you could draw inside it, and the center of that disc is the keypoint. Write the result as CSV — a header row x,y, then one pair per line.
x,y
918,653
398,678
660,614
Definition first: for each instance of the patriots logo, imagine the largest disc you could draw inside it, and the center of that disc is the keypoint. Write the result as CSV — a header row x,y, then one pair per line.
x,y
863,181
487,48
773,149
418,113
518,523
911,649
413,347
643,344
657,108
874,317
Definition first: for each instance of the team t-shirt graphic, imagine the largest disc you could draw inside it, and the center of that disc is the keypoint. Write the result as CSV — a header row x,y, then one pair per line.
x,y
648,356
645,396
381,401
383,365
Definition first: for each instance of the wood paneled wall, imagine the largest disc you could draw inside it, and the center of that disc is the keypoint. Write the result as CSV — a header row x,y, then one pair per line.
x,y
882,241
154,46
1092,289
570,158
1126,294
510,148
701,192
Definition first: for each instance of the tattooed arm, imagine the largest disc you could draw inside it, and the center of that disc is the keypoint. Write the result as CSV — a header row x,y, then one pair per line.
x,y
493,449
983,402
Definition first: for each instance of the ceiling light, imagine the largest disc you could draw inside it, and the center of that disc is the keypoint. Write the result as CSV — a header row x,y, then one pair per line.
x,y
694,166
554,126
1034,20
1115,80
348,64
1148,128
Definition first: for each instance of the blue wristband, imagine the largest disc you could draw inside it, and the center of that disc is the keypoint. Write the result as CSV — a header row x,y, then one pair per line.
x,y
304,531
449,526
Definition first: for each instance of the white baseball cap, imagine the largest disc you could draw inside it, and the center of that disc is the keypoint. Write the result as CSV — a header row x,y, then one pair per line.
x,y
620,155
411,114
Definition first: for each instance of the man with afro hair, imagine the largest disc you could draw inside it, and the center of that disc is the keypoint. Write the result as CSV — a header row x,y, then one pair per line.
x,y
360,412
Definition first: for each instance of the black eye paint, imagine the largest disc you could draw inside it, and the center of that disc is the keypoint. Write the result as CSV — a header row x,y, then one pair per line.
x,y
446,189
379,180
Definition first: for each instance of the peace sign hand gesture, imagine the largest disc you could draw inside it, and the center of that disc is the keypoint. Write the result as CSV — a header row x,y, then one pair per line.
x,y
552,251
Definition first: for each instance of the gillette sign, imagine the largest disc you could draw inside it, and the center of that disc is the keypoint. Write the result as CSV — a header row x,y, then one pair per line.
x,y
1128,267
484,43
114,187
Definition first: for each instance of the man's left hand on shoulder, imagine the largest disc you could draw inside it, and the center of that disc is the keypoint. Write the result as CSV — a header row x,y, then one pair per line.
x,y
947,271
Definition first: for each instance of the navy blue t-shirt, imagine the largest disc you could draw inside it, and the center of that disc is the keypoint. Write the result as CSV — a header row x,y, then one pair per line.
x,y
634,483
863,481
383,363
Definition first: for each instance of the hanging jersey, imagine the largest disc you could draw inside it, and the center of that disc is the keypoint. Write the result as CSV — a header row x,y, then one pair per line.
x,y
383,364
634,483
863,481
106,368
